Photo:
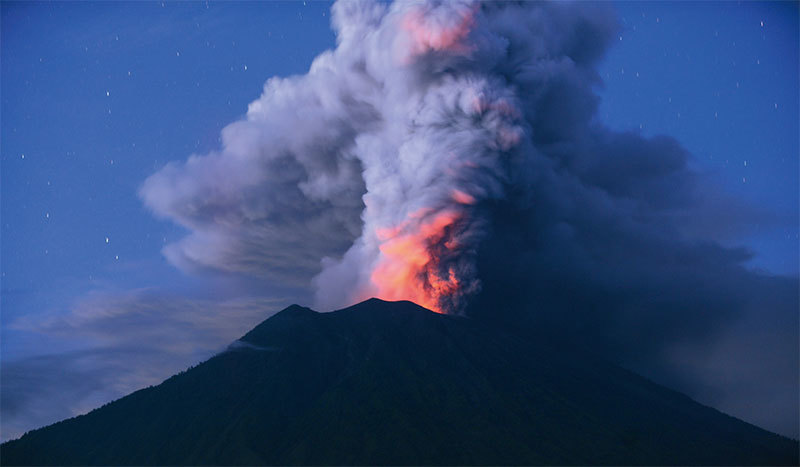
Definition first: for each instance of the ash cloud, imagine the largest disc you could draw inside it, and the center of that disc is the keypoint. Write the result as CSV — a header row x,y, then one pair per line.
x,y
480,119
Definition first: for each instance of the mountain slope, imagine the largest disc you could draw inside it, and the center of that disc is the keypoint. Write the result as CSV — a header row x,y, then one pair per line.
x,y
393,383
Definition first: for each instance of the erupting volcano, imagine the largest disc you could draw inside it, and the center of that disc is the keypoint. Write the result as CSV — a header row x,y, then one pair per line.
x,y
451,153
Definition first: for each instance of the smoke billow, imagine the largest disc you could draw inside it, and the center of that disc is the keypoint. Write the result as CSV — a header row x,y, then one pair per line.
x,y
372,162
448,153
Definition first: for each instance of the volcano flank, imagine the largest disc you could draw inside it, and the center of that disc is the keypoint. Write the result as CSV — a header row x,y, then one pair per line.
x,y
394,383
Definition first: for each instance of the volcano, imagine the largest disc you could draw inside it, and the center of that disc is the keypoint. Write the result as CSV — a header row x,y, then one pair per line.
x,y
394,383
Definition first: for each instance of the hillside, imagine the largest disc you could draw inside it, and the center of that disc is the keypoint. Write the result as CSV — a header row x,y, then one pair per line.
x,y
393,383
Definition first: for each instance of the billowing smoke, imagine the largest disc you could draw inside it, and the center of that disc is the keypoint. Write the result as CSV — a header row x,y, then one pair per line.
x,y
449,154
373,162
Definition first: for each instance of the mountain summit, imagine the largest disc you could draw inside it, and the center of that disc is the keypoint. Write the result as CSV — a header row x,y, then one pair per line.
x,y
394,383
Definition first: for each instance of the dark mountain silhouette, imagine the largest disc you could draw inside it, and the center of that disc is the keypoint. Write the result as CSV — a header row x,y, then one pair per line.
x,y
393,383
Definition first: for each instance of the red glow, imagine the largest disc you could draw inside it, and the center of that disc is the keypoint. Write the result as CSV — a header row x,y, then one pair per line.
x,y
429,35
410,254
463,197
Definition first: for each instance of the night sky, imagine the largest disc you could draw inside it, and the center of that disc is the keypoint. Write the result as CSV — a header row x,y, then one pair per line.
x,y
97,97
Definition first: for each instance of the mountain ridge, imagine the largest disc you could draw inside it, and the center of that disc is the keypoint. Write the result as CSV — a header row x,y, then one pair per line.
x,y
393,383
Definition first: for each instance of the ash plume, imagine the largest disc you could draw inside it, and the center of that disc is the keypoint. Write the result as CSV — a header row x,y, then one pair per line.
x,y
449,153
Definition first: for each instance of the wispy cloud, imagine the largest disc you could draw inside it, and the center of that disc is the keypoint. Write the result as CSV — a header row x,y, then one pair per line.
x,y
128,340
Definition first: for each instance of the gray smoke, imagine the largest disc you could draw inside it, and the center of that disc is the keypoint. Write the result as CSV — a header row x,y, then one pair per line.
x,y
406,121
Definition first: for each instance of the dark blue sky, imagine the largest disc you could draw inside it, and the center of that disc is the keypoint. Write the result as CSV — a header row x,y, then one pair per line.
x,y
722,78
111,93
96,97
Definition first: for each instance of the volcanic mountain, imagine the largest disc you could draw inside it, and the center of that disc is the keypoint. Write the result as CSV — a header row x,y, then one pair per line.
x,y
394,383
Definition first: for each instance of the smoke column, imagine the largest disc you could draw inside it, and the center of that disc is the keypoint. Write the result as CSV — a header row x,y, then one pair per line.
x,y
447,131
387,144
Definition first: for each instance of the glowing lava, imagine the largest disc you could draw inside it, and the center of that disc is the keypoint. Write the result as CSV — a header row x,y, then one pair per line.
x,y
411,267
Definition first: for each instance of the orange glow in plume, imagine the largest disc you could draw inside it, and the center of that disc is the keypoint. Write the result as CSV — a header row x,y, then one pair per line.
x,y
429,35
409,266
463,197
